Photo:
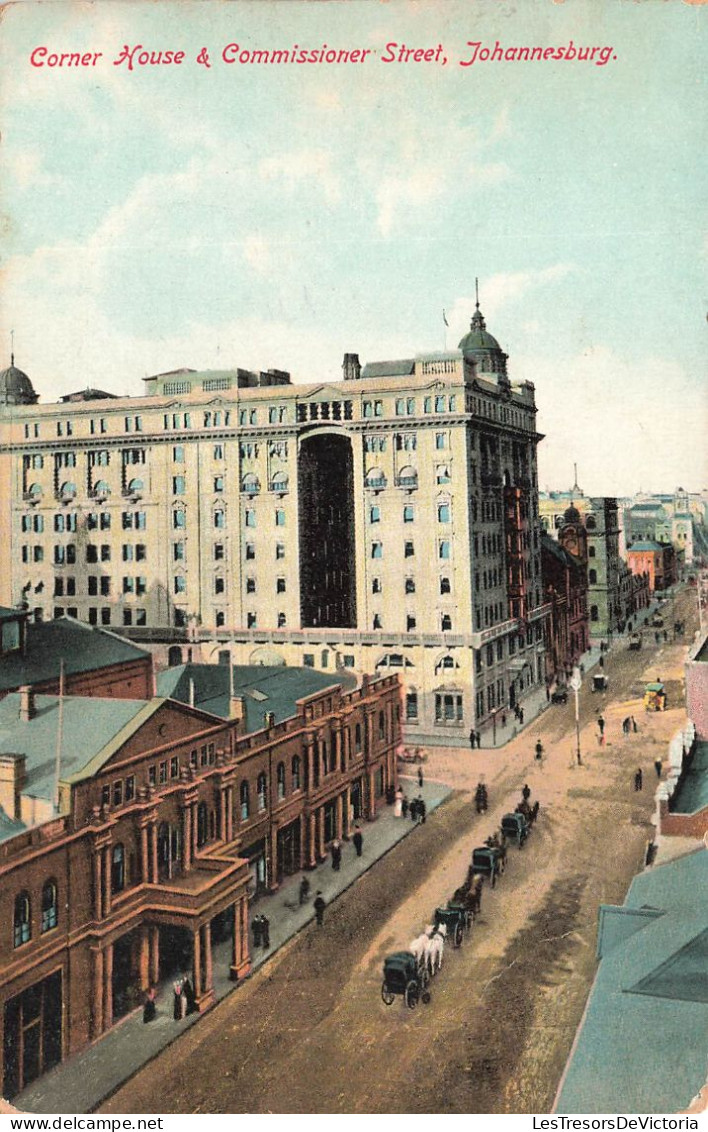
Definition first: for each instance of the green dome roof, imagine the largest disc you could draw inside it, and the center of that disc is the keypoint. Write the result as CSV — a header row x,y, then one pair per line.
x,y
481,347
15,386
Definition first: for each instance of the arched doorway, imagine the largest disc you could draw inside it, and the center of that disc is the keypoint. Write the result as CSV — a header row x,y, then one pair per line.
x,y
174,656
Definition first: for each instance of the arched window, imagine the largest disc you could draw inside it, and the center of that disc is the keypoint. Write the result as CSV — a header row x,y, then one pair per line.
x,y
281,780
34,490
295,772
22,920
442,473
408,476
446,622
202,824
261,790
118,868
245,801
50,910
68,490
101,488
135,486
591,552
445,663
220,619
250,484
375,478
590,522
357,738
279,482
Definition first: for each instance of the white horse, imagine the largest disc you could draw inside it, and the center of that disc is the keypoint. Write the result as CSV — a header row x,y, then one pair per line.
x,y
419,947
436,948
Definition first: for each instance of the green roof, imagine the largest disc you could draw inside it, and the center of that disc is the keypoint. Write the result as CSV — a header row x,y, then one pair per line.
x,y
263,688
91,728
83,648
641,1046
399,368
646,544
9,827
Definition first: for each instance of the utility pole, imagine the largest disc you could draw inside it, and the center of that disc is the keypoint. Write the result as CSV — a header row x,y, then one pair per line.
x,y
576,684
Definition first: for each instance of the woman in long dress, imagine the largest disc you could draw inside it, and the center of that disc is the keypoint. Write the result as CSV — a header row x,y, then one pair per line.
x,y
398,804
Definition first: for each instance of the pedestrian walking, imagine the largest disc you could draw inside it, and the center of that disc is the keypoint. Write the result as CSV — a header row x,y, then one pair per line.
x,y
521,715
472,739
526,792
177,1000
150,1005
638,778
358,839
304,890
658,766
413,809
666,636
539,750
635,727
188,992
319,906
601,662
257,931
601,724
420,810
265,931
504,717
336,854
420,777
404,806
548,695
625,726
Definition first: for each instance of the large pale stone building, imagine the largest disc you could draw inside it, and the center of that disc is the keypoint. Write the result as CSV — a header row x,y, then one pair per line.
x,y
386,522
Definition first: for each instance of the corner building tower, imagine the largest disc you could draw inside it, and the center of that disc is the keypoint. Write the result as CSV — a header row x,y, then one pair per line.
x,y
387,522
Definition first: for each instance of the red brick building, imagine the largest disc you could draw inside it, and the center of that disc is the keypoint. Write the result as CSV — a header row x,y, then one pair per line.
x,y
96,662
657,559
565,587
144,863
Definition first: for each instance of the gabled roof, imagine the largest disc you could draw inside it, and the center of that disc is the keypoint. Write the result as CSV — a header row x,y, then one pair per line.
x,y
641,1047
92,729
83,648
263,688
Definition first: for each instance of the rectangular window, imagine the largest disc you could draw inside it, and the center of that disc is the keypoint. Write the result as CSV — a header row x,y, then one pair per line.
x,y
178,485
178,552
308,660
178,454
279,517
174,767
440,440
152,776
130,788
443,512
250,551
280,585
377,550
251,621
408,513
180,584
250,517
163,774
374,514
280,550
408,550
444,549
411,705
118,793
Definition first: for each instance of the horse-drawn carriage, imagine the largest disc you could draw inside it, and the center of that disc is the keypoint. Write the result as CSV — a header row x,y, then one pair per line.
x,y
488,860
516,826
457,918
404,975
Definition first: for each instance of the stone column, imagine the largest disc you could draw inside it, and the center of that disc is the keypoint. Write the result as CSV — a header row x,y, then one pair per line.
x,y
154,938
346,805
230,812
107,881
311,840
144,855
272,859
208,970
339,822
108,987
223,815
144,957
338,747
321,851
197,963
195,830
153,853
97,885
97,979
371,799
303,840
186,837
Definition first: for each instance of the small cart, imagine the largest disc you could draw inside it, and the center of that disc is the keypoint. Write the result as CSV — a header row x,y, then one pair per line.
x,y
402,975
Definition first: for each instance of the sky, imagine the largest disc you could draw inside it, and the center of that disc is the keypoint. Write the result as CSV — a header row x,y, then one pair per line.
x,y
280,215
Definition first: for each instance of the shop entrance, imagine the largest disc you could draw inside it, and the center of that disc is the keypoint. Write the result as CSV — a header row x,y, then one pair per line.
x,y
33,1034
289,849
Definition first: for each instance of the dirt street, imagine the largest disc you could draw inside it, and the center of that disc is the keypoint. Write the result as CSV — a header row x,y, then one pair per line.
x,y
309,1033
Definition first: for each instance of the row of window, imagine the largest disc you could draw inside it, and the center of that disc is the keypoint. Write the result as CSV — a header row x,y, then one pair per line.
x,y
95,615
22,919
443,549
411,622
409,585
409,513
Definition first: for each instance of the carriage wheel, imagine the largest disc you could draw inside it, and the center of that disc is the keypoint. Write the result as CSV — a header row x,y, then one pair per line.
x,y
387,995
458,935
424,976
412,994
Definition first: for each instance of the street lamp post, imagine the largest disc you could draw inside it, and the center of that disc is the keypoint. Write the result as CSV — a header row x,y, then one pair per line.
x,y
576,683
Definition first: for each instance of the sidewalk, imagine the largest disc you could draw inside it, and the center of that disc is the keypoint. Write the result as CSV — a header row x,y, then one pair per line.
x,y
83,1081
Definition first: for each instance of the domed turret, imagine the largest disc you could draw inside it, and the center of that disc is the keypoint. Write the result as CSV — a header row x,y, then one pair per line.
x,y
571,516
15,386
482,348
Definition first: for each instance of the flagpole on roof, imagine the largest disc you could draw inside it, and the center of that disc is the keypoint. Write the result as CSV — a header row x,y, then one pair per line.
x,y
60,736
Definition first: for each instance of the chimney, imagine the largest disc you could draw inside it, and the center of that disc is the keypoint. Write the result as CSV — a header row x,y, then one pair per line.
x,y
12,781
351,367
28,709
237,708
